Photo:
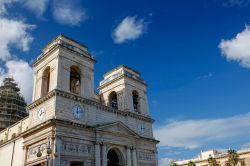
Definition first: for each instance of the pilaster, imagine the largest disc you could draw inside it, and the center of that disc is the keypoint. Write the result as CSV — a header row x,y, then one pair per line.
x,y
128,153
104,154
134,157
97,154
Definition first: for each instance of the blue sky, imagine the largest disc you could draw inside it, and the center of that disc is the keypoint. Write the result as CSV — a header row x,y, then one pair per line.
x,y
194,55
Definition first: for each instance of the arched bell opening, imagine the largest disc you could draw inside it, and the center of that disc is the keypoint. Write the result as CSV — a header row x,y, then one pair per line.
x,y
45,82
75,80
113,100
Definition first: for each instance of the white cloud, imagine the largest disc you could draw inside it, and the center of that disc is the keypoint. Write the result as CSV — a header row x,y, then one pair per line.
x,y
13,34
36,6
22,72
130,28
196,133
237,49
68,13
165,161
231,3
246,146
3,4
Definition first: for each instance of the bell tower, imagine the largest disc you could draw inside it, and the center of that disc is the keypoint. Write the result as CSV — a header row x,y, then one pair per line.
x,y
65,65
124,89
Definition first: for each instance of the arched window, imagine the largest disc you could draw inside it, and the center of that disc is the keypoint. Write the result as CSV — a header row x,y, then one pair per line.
x,y
136,105
75,80
113,100
45,81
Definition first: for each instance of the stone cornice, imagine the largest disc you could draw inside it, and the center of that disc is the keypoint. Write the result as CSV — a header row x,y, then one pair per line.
x,y
71,96
95,128
53,121
41,100
43,56
118,78
102,107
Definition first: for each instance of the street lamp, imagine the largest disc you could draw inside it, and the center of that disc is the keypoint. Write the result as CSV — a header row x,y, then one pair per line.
x,y
49,152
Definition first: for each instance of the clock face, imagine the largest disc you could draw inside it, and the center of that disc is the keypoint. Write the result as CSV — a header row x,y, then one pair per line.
x,y
77,112
141,128
41,113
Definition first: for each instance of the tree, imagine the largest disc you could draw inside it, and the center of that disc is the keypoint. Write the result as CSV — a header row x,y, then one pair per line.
x,y
174,164
233,157
191,163
211,161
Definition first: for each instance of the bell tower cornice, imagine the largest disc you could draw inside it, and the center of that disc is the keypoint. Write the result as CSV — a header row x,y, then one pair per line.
x,y
65,42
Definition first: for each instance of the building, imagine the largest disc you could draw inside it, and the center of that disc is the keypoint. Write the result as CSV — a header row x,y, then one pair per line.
x,y
221,158
70,125
12,104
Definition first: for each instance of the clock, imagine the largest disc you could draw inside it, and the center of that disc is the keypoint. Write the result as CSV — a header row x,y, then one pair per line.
x,y
40,113
77,111
141,128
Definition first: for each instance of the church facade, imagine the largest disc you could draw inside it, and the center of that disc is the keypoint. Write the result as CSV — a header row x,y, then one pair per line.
x,y
69,124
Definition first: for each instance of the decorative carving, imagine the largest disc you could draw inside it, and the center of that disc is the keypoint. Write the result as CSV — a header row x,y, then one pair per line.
x,y
32,152
145,156
83,149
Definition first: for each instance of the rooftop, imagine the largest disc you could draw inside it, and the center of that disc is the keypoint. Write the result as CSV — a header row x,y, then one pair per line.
x,y
121,70
68,43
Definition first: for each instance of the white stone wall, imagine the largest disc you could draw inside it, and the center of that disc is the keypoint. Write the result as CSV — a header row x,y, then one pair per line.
x,y
66,60
52,62
124,87
13,149
95,116
49,108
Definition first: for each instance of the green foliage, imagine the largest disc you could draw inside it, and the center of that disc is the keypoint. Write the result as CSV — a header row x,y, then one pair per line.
x,y
233,157
191,163
211,161
174,164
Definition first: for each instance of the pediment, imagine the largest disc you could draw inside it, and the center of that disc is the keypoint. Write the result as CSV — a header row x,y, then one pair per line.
x,y
117,128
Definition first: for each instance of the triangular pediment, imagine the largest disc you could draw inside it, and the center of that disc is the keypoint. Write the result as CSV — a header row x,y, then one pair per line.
x,y
118,128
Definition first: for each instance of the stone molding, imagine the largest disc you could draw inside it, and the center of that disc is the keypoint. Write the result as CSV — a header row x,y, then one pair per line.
x,y
81,99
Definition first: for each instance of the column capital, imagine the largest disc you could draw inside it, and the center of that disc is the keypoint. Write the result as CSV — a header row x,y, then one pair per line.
x,y
103,143
97,142
128,146
133,148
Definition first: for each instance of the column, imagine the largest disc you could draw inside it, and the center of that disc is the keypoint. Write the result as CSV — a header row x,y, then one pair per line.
x,y
97,154
104,155
128,151
134,157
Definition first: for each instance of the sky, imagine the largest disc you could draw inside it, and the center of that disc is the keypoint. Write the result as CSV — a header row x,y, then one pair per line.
x,y
194,56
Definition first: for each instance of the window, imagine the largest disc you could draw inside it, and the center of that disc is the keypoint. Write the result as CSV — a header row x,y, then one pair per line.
x,y
113,100
75,80
45,81
242,163
136,101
